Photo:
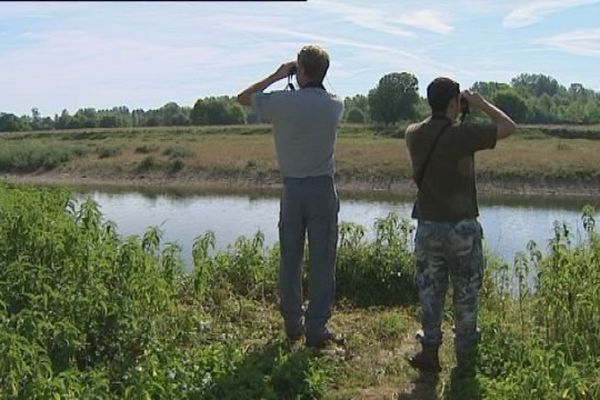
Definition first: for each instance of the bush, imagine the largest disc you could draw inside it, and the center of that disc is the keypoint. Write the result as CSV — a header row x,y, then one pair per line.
x,y
176,165
543,342
108,151
146,148
147,164
27,156
87,314
177,152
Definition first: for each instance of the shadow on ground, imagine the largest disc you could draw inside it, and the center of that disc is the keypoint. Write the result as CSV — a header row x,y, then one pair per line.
x,y
425,387
275,371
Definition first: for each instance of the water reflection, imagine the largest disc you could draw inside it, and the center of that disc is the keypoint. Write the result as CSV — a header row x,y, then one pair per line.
x,y
509,223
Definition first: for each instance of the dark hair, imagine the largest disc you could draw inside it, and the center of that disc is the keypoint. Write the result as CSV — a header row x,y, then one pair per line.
x,y
315,62
439,93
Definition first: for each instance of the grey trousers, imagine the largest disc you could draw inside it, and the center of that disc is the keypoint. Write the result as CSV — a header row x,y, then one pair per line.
x,y
308,205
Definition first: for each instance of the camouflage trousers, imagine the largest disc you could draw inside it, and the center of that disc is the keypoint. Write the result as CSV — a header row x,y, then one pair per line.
x,y
449,250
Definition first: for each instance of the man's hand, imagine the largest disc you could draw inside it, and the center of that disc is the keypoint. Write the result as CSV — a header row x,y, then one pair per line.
x,y
504,124
475,99
284,70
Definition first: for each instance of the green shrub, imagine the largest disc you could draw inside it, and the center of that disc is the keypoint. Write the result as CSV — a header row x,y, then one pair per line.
x,y
147,164
176,165
177,152
108,151
27,156
544,342
146,148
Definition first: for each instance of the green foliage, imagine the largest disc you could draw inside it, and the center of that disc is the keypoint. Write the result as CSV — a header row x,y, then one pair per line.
x,y
217,111
176,165
10,123
147,164
108,151
394,98
87,314
177,152
146,148
509,101
30,156
377,273
356,109
536,84
356,116
543,341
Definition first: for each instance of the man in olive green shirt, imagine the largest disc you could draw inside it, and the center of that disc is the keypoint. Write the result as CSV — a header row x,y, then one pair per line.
x,y
448,238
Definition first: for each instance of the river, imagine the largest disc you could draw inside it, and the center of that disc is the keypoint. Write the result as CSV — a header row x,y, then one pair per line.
x,y
508,223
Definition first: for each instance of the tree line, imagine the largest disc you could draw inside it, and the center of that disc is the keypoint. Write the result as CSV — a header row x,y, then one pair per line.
x,y
529,98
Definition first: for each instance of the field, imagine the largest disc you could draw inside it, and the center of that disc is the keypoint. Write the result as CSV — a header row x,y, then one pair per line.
x,y
85,313
545,159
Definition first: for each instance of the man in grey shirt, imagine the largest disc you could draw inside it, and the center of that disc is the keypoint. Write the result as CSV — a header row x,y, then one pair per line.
x,y
305,123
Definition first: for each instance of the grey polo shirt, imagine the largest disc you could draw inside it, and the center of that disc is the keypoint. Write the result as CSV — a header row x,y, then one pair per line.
x,y
305,123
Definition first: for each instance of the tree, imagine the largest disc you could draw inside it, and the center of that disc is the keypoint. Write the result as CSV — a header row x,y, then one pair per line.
x,y
10,123
63,121
173,115
489,89
535,84
542,110
217,111
36,120
394,98
509,101
355,116
137,117
359,102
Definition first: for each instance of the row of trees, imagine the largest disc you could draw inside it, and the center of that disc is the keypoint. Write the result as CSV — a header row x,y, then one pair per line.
x,y
529,98
207,111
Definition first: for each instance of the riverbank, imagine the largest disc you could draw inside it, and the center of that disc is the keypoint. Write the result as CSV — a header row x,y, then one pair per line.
x,y
197,183
536,160
87,313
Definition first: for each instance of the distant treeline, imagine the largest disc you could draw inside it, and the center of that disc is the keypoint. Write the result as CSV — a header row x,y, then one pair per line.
x,y
529,98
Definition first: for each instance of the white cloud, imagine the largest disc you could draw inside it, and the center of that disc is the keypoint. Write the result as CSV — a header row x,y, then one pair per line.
x,y
74,69
390,20
428,20
583,42
530,12
373,54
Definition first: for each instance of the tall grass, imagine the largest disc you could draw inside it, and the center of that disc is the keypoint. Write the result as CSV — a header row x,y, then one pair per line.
x,y
86,313
544,342
29,156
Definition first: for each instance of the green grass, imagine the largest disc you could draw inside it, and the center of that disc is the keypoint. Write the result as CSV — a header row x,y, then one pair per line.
x,y
377,157
85,313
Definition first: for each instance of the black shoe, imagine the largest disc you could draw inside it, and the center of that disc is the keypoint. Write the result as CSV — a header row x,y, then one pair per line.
x,y
296,335
426,360
322,341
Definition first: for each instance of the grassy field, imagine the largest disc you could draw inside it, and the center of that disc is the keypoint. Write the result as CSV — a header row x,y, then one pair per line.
x,y
87,314
536,156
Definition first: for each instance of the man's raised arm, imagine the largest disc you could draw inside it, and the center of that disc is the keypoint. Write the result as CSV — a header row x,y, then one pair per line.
x,y
244,98
505,125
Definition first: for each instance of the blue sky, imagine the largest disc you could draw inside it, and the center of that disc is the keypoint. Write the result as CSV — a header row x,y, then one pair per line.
x,y
143,55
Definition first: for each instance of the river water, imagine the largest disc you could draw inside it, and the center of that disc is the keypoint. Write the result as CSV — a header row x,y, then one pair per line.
x,y
508,223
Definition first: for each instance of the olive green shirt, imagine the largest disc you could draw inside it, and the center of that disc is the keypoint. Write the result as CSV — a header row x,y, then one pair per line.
x,y
448,191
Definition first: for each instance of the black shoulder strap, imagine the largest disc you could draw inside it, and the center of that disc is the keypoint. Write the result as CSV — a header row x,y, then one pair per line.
x,y
421,175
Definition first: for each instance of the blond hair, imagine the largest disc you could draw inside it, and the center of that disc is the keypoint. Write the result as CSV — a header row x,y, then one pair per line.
x,y
315,62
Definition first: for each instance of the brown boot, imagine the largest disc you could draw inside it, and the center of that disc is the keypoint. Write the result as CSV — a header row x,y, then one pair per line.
x,y
427,359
